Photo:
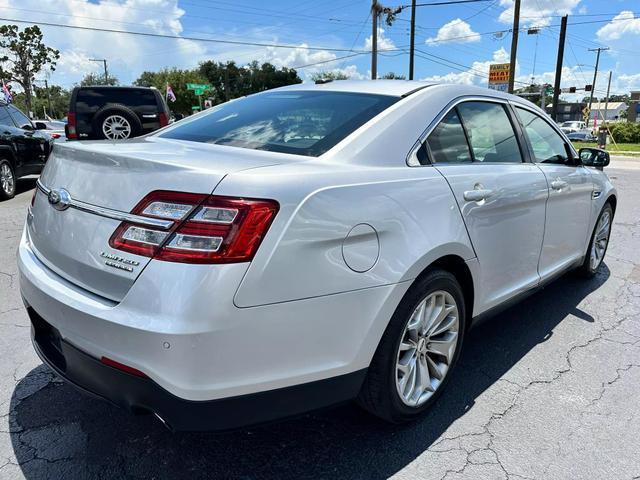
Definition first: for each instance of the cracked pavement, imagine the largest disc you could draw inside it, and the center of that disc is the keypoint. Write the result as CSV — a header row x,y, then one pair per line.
x,y
546,390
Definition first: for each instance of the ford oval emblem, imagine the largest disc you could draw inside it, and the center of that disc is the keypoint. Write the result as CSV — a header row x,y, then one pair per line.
x,y
59,199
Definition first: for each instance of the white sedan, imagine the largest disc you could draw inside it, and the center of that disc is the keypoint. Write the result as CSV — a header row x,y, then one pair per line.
x,y
301,247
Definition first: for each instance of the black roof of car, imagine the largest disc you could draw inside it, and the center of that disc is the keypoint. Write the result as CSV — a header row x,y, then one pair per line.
x,y
128,87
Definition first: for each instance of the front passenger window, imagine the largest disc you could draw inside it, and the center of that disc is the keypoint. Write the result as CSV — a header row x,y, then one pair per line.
x,y
547,144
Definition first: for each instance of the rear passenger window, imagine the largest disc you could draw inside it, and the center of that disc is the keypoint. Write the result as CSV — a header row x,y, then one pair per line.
x,y
447,143
490,132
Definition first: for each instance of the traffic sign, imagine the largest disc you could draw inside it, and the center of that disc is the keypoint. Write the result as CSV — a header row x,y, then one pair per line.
x,y
198,86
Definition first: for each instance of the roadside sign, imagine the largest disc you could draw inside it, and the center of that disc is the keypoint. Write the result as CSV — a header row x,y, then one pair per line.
x,y
198,88
499,76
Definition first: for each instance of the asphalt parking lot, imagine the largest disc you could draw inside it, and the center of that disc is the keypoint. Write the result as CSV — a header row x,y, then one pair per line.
x,y
547,390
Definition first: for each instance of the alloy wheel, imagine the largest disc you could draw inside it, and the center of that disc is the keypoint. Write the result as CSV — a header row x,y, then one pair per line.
x,y
116,127
7,182
600,239
427,348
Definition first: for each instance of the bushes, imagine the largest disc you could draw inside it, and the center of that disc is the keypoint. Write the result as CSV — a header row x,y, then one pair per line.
x,y
624,132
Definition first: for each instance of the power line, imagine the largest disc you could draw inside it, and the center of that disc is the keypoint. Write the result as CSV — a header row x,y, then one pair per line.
x,y
177,37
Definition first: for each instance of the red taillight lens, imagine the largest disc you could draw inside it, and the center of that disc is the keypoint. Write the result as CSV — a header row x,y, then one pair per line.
x,y
71,125
122,367
164,120
205,229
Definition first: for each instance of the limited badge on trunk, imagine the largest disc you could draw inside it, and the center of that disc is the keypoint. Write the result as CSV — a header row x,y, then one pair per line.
x,y
118,262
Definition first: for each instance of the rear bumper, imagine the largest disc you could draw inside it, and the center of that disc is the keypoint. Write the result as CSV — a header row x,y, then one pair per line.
x,y
143,395
179,326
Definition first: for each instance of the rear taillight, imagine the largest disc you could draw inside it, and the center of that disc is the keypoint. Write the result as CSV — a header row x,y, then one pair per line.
x,y
204,229
164,120
71,125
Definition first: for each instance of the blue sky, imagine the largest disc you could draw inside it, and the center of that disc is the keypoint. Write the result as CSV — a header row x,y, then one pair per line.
x,y
454,43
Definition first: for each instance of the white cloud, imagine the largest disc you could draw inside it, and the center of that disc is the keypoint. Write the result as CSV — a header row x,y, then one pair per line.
x,y
127,55
455,31
536,12
302,56
476,75
384,43
625,23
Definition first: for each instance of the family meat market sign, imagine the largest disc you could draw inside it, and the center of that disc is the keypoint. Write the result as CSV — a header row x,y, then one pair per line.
x,y
499,76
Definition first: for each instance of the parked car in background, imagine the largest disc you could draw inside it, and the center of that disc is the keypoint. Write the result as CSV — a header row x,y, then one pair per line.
x,y
573,126
55,128
585,136
114,113
303,246
24,148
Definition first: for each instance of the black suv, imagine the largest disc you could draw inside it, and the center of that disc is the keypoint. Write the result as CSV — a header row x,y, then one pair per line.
x,y
115,113
23,148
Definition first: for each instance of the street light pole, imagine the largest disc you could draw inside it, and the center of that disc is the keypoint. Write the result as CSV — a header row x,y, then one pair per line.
x,y
104,63
595,76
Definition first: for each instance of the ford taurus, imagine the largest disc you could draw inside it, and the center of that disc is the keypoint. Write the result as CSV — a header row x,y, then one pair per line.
x,y
301,247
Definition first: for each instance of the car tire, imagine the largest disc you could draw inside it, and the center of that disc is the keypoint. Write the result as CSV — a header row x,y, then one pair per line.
x,y
381,392
598,244
7,180
116,122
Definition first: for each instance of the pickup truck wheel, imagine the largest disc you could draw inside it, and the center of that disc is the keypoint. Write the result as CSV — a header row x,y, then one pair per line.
x,y
418,350
7,180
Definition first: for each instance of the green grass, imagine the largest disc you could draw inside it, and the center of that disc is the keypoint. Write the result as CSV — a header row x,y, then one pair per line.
x,y
620,147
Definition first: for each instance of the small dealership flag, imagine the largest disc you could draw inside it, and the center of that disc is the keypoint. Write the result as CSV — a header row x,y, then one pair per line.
x,y
6,92
170,95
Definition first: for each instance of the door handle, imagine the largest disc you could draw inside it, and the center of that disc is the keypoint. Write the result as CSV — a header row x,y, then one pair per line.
x,y
558,184
477,194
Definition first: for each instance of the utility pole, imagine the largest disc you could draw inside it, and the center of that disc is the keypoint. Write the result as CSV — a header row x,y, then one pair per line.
x,y
413,38
556,84
375,10
595,76
514,44
606,103
104,64
46,87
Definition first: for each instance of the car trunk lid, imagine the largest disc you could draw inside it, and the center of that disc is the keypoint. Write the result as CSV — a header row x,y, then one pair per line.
x,y
106,180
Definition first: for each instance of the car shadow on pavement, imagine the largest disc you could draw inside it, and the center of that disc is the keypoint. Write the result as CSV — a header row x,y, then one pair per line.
x,y
60,433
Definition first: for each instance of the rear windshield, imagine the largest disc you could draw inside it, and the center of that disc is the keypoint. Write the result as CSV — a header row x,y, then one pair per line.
x,y
303,122
92,99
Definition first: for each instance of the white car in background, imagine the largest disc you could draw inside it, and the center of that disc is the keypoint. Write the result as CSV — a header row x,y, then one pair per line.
x,y
301,247
573,127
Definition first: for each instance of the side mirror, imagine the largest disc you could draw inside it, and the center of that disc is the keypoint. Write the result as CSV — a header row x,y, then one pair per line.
x,y
594,157
40,125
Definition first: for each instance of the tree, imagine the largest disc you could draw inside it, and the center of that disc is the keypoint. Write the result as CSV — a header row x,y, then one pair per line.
x,y
97,79
178,79
25,55
326,75
393,76
231,81
58,96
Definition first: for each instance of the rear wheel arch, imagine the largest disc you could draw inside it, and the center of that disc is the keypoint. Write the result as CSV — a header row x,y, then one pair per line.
x,y
456,265
613,201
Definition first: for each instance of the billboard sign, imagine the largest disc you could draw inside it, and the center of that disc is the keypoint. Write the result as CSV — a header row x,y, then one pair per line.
x,y
499,76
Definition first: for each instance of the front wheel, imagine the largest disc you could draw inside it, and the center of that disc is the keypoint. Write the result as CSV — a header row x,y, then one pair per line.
x,y
7,180
599,242
418,350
